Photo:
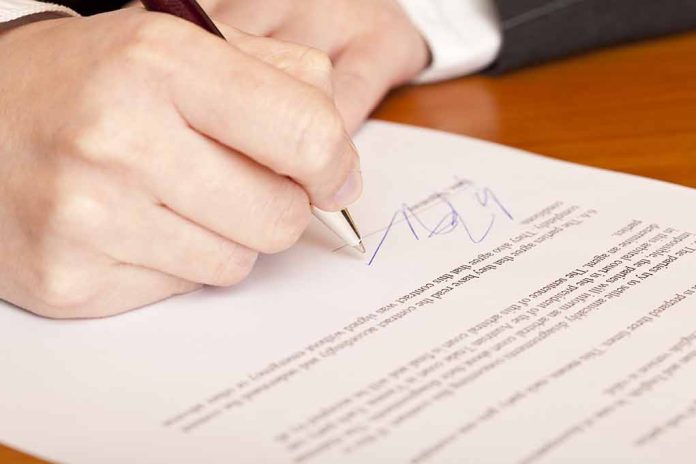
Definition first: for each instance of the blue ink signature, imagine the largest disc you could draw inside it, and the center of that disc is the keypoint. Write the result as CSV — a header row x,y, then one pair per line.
x,y
450,222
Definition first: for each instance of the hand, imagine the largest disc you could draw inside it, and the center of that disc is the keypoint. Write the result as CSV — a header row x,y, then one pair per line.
x,y
143,157
373,43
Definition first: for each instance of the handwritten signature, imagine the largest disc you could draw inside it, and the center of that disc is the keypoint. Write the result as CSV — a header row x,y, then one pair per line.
x,y
452,220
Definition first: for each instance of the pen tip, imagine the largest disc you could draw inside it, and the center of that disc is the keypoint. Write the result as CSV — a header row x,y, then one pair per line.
x,y
360,247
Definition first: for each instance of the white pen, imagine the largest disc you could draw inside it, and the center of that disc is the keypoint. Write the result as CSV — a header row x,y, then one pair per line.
x,y
341,223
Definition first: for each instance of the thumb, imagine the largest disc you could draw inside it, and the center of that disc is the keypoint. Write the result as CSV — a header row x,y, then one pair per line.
x,y
366,70
303,63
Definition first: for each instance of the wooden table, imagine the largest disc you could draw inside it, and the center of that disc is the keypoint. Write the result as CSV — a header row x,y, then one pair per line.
x,y
630,109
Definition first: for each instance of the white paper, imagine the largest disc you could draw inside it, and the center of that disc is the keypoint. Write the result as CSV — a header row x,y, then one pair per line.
x,y
528,311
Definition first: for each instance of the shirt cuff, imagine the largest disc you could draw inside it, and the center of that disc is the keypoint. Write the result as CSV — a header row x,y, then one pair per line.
x,y
11,10
464,35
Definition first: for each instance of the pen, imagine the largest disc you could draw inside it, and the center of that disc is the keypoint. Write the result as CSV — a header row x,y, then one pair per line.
x,y
340,222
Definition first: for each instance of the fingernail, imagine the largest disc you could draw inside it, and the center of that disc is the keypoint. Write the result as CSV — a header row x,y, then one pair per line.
x,y
350,190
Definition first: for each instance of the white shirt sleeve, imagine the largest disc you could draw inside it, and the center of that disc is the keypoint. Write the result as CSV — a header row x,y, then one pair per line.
x,y
15,9
464,35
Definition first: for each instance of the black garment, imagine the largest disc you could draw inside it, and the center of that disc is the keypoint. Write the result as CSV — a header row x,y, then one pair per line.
x,y
90,7
535,31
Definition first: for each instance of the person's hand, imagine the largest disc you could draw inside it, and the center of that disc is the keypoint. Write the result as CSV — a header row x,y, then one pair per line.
x,y
143,157
373,44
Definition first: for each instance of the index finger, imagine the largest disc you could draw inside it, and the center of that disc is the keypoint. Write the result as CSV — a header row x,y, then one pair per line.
x,y
289,126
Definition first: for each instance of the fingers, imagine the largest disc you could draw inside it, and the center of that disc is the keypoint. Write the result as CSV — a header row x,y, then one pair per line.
x,y
304,63
329,33
226,193
370,66
363,74
123,288
254,17
289,126
131,287
154,237
75,282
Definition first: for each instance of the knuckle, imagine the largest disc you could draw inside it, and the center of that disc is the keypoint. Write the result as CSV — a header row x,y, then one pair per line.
x,y
149,42
83,139
316,60
93,136
151,28
62,292
234,266
316,68
76,214
292,215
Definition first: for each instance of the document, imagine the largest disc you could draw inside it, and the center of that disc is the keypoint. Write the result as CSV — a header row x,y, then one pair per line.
x,y
511,308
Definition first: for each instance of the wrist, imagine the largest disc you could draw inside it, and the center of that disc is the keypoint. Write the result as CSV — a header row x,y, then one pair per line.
x,y
464,36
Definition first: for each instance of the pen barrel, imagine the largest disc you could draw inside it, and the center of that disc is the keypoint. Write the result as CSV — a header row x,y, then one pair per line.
x,y
189,10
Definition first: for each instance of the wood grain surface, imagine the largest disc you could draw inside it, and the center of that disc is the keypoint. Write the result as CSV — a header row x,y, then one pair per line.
x,y
631,109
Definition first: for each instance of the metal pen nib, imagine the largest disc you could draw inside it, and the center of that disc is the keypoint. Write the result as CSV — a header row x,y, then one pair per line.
x,y
342,224
358,246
